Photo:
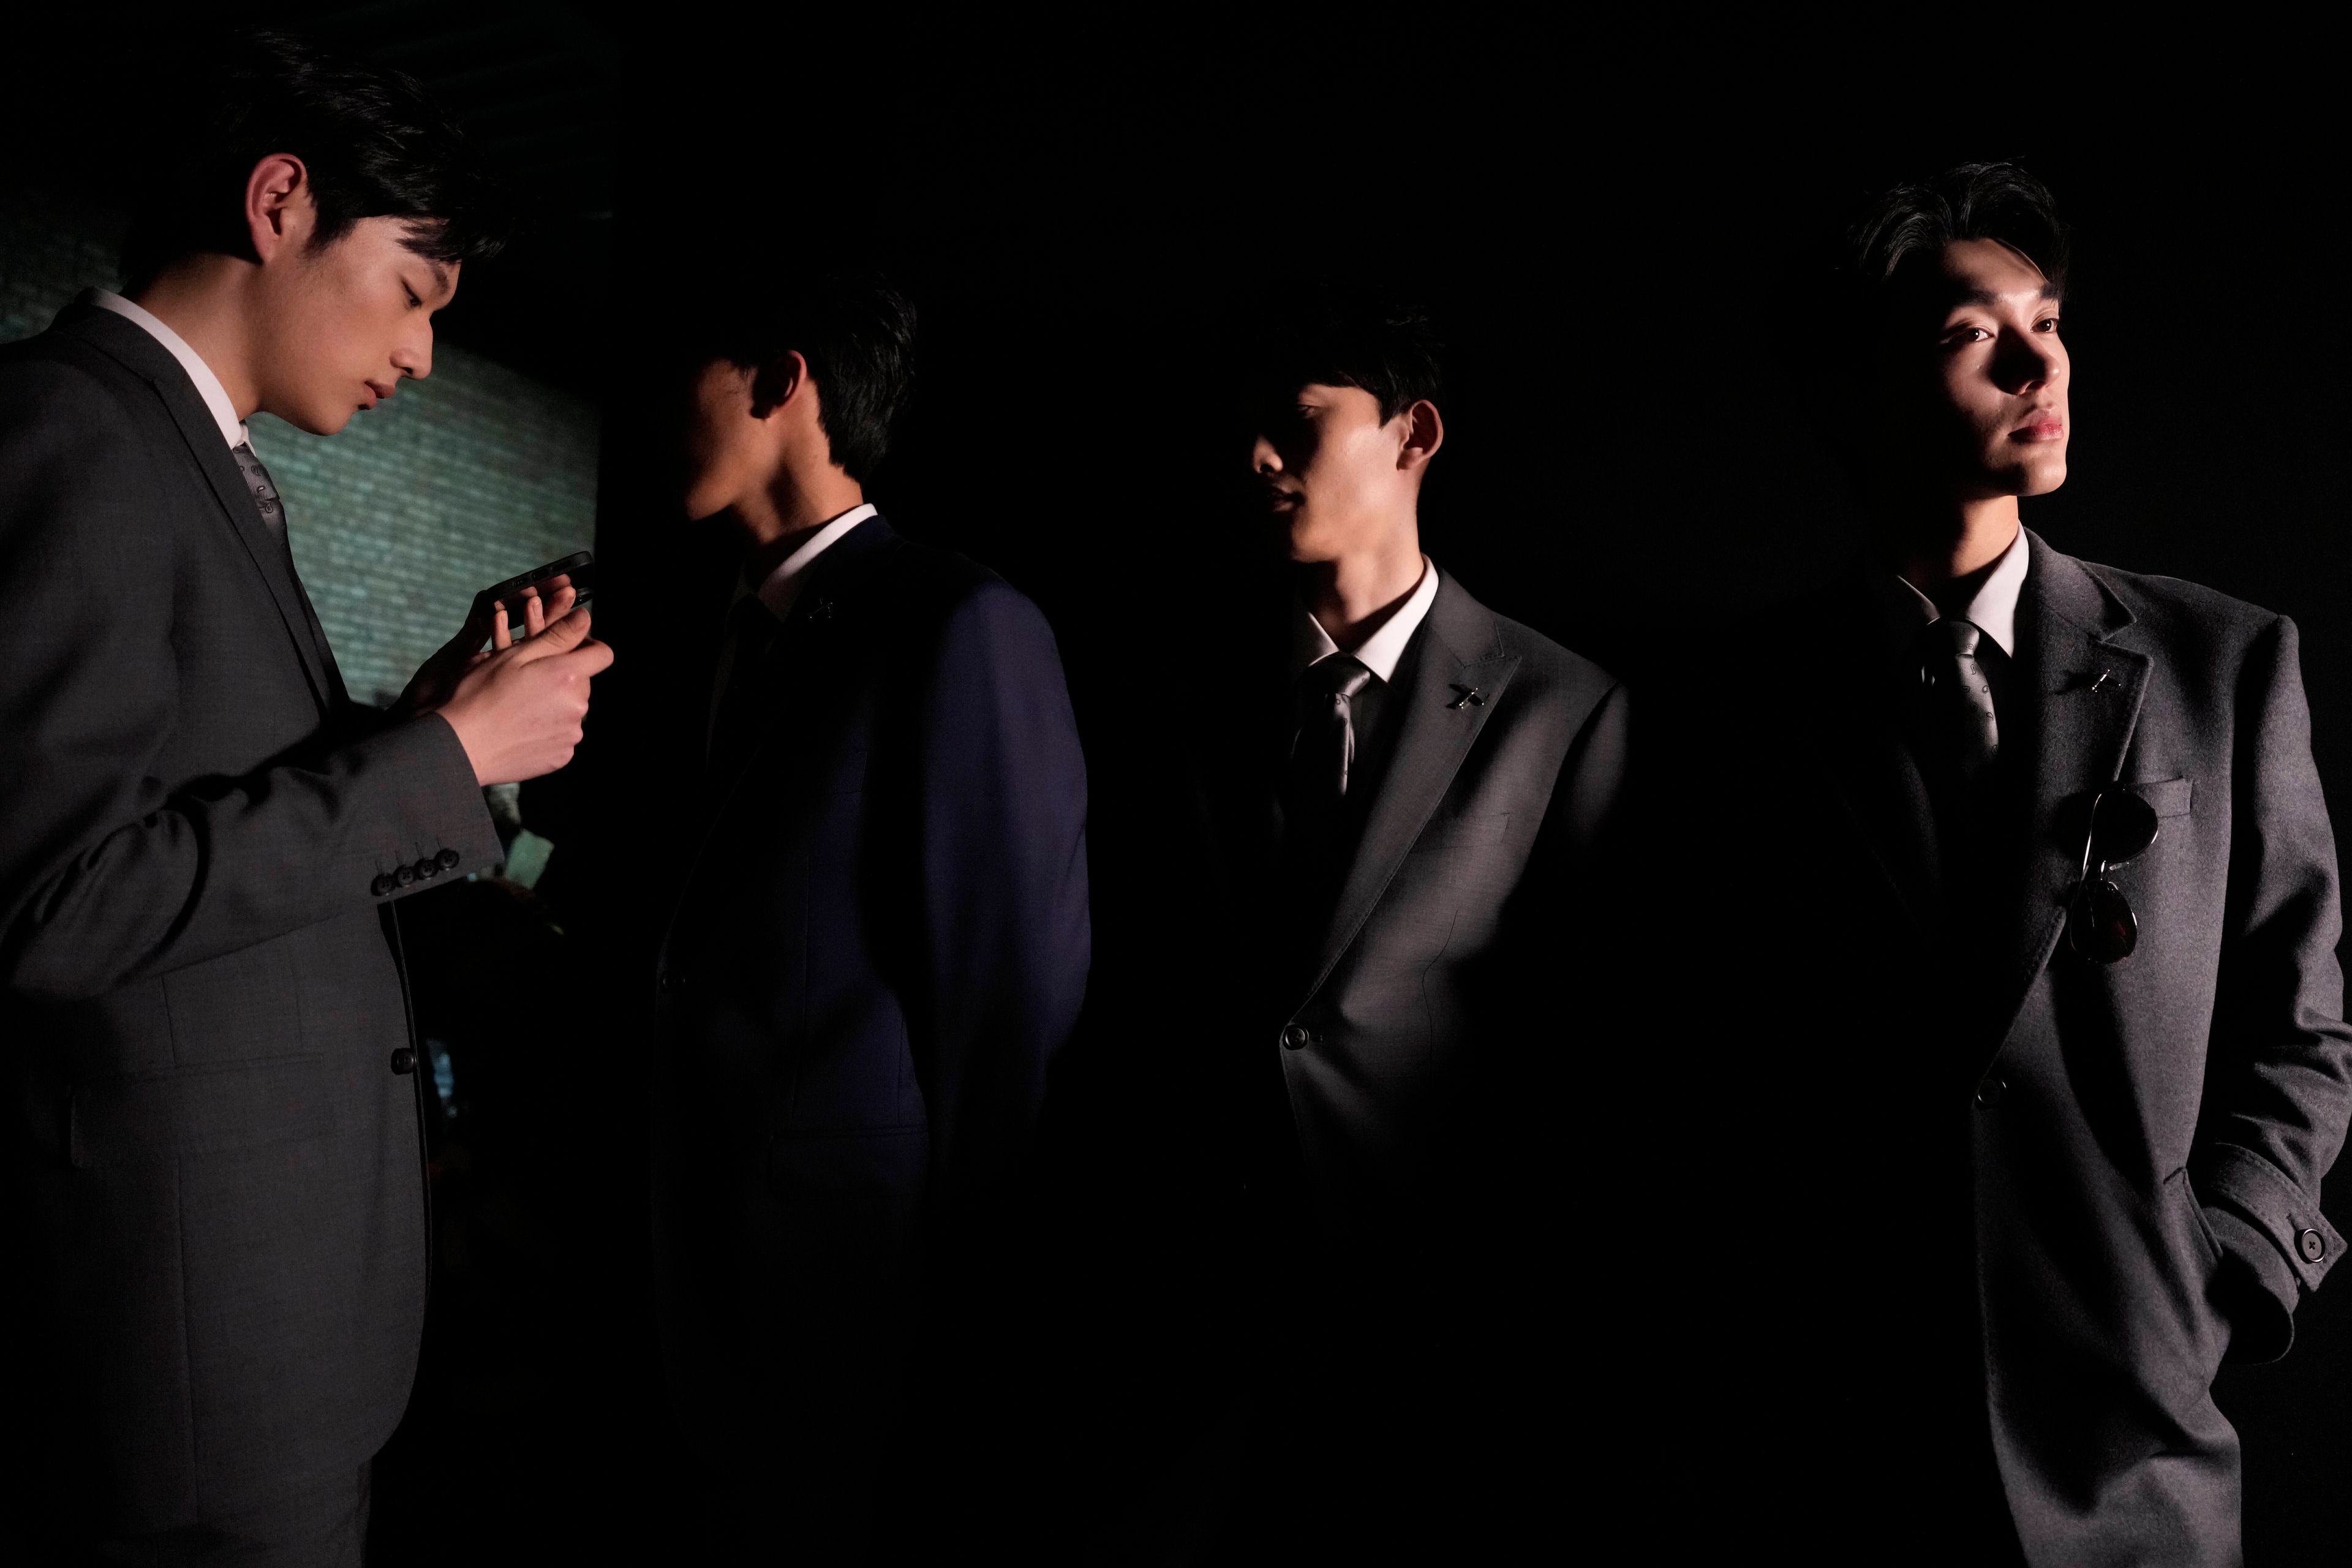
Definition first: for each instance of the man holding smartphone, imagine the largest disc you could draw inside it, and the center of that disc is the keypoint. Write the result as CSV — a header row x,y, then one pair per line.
x,y
211,1177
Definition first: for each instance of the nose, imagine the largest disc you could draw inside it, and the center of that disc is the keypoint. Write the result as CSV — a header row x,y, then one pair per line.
x,y
414,357
1263,458
2027,363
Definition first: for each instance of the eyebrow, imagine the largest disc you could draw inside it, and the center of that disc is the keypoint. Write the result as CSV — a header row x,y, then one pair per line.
x,y
1991,297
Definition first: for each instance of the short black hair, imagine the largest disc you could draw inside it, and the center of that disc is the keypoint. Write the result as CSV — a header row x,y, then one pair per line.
x,y
855,328
1330,335
1904,232
374,143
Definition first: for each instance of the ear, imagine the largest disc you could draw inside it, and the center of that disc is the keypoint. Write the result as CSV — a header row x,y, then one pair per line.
x,y
1424,432
777,382
279,214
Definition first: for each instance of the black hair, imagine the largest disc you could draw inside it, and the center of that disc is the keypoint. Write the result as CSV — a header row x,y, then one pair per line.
x,y
1333,336
855,330
374,144
1903,235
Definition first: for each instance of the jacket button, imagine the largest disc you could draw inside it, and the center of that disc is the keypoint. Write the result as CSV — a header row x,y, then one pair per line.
x,y
448,860
405,876
427,868
2312,1245
1294,1038
1989,1092
671,983
381,886
403,1061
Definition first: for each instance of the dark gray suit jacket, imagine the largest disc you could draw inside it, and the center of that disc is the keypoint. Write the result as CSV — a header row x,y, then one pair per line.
x,y
211,1175
2025,1208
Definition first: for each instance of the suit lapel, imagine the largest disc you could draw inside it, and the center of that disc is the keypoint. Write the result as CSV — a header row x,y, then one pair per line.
x,y
125,342
2086,694
1462,651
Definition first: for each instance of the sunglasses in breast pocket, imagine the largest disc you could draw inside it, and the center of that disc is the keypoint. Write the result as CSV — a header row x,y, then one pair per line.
x,y
2100,925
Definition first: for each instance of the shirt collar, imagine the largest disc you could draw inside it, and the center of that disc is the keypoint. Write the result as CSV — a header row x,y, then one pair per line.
x,y
1310,644
1992,610
784,585
208,385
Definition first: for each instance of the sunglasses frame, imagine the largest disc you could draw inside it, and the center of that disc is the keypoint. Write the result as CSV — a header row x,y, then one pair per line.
x,y
2100,925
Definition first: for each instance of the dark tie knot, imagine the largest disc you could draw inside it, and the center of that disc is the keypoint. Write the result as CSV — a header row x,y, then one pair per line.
x,y
1335,677
1954,637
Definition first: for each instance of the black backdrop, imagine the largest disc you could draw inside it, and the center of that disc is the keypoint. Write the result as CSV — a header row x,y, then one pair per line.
x,y
1609,224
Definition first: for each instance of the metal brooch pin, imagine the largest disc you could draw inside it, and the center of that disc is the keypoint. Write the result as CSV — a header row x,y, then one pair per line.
x,y
2107,682
1467,694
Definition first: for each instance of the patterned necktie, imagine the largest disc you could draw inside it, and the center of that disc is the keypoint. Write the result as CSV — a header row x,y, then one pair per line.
x,y
1323,750
265,494
1961,723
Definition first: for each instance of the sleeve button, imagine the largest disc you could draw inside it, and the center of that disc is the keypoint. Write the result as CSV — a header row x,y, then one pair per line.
x,y
403,1061
1294,1038
381,886
405,876
2312,1245
1989,1092
448,860
426,870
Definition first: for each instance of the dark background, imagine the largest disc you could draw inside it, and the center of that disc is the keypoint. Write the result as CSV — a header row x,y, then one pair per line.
x,y
1638,462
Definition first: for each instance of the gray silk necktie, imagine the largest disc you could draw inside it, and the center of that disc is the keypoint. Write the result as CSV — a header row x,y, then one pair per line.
x,y
1958,697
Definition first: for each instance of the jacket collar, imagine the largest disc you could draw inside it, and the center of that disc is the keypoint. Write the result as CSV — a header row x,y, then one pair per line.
x,y
130,347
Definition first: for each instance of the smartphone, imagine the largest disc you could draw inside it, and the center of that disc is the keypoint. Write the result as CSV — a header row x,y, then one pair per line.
x,y
580,567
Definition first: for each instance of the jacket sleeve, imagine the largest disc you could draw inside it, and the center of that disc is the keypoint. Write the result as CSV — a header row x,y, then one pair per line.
x,y
109,872
1004,926
2279,1080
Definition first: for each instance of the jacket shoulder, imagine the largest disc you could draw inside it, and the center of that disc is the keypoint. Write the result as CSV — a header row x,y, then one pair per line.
x,y
2188,620
56,376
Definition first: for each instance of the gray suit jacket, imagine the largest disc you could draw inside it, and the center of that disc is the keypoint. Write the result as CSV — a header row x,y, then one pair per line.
x,y
210,1172
2121,1164
1400,1030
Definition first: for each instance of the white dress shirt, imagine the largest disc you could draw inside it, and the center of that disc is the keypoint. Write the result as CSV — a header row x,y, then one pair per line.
x,y
1310,644
784,585
1992,610
778,591
208,385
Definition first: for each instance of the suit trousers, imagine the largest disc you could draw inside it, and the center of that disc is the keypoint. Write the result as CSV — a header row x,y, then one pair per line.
x,y
323,1525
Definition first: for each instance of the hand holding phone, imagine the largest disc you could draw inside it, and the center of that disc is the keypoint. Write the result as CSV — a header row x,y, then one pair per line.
x,y
576,571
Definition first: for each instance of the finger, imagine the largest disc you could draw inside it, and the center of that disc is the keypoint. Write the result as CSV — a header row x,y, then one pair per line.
x,y
559,603
499,636
534,613
561,637
592,658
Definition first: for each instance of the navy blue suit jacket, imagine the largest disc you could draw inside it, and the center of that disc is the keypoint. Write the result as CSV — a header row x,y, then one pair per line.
x,y
882,943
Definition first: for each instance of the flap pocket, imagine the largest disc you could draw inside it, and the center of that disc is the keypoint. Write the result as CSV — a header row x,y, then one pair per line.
x,y
199,1112
2166,797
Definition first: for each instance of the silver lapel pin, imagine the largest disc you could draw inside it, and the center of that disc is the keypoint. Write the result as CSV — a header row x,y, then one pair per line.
x,y
1468,694
2106,682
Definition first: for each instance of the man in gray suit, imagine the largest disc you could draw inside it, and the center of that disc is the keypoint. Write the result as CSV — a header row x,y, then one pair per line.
x,y
2057,1055
1362,973
211,1177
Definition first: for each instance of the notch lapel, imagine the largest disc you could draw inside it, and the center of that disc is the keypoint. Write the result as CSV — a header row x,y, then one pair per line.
x,y
1462,649
2087,693
129,345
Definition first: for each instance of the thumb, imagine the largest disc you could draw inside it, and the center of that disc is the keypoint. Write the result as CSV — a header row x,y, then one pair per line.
x,y
560,636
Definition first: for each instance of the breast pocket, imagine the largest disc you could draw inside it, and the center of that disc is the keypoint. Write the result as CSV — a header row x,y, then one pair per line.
x,y
2166,797
242,1007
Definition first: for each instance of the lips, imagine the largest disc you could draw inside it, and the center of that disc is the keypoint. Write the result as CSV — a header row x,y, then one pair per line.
x,y
2041,430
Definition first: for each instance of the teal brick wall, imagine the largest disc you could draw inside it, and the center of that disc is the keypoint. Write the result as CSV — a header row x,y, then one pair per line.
x,y
476,473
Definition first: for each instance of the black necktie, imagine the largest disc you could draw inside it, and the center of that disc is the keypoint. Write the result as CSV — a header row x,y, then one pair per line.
x,y
753,632
1322,752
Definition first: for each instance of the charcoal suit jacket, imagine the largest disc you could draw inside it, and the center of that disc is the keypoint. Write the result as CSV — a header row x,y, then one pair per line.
x,y
881,943
211,1182
1995,1211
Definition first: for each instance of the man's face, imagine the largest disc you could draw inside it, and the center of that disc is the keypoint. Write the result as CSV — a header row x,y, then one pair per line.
x,y
1979,391
347,322
727,451
1332,472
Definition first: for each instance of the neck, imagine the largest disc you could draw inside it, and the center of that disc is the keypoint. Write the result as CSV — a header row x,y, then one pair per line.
x,y
205,300
779,520
1936,548
1353,595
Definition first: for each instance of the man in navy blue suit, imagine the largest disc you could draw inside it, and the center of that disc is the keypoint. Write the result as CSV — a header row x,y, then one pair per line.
x,y
882,942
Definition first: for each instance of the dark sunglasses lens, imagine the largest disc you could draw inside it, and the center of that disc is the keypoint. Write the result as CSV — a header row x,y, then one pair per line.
x,y
2100,925
2122,826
